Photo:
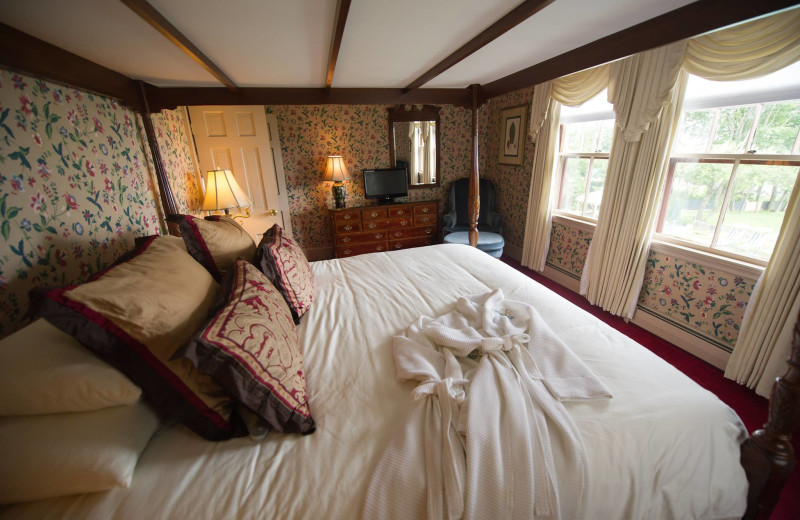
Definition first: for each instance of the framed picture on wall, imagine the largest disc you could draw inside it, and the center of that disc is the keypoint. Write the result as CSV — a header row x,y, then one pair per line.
x,y
513,122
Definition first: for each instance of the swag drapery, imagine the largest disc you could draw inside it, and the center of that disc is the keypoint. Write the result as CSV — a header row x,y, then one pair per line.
x,y
647,92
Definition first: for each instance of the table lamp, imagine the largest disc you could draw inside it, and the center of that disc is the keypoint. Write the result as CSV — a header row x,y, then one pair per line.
x,y
336,171
224,193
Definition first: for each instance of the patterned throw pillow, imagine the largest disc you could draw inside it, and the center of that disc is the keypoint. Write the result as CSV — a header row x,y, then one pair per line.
x,y
215,242
283,262
133,316
250,347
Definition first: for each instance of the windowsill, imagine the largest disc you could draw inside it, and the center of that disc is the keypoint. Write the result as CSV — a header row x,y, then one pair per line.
x,y
660,244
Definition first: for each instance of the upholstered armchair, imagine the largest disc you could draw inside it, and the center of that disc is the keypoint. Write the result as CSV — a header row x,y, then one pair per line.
x,y
456,219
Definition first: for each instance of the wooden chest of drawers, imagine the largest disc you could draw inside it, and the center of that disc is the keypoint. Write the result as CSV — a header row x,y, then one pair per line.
x,y
369,229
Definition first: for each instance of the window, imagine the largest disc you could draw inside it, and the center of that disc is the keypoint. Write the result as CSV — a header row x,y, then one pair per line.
x,y
584,144
733,166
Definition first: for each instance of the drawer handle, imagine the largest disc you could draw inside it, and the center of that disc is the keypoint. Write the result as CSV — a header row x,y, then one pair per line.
x,y
379,248
428,231
346,239
398,245
378,235
428,242
347,217
424,210
372,226
425,220
348,227
398,234
373,214
403,223
400,212
348,251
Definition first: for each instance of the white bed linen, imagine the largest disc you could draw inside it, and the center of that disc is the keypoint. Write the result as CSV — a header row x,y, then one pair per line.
x,y
661,448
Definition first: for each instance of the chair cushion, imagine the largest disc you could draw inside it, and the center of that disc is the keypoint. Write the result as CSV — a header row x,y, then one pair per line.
x,y
486,241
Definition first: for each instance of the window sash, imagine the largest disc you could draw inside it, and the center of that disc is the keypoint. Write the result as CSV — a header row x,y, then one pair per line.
x,y
563,157
735,160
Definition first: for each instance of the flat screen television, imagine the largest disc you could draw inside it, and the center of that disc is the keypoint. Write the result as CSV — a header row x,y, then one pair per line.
x,y
385,184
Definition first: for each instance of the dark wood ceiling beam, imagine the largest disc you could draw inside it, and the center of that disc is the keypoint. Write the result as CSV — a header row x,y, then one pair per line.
x,y
23,52
167,98
515,17
336,41
688,21
149,14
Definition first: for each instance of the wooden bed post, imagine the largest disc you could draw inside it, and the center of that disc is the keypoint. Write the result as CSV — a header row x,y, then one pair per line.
x,y
167,198
767,455
474,201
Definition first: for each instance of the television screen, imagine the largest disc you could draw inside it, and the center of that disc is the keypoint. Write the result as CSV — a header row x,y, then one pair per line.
x,y
385,183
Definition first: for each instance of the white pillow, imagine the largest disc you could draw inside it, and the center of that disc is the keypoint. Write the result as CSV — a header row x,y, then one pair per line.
x,y
43,370
62,454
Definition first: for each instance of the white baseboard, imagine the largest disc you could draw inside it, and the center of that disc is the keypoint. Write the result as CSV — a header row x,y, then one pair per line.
x,y
680,338
692,344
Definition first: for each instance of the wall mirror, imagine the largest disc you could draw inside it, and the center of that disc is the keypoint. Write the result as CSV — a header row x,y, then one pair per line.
x,y
414,143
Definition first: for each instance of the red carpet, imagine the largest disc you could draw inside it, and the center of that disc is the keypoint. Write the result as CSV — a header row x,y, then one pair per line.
x,y
750,407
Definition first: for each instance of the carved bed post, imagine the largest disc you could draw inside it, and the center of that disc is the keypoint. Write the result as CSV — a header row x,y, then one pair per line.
x,y
167,198
474,201
767,455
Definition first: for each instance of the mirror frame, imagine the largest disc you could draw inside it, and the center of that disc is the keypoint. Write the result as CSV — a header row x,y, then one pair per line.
x,y
407,113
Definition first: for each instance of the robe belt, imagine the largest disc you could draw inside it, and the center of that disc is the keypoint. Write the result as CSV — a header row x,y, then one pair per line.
x,y
453,485
504,343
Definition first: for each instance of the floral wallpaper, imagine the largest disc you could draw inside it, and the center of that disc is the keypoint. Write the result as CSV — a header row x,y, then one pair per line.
x,y
512,183
74,187
309,133
695,297
568,249
176,153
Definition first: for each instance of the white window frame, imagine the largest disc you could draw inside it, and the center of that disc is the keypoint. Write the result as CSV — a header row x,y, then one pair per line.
x,y
735,160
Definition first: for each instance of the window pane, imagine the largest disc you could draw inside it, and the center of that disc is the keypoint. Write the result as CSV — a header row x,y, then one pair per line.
x,y
590,136
695,200
777,128
756,208
574,184
733,126
596,183
694,131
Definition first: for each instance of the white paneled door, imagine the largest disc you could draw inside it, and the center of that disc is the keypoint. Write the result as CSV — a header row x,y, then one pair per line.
x,y
244,139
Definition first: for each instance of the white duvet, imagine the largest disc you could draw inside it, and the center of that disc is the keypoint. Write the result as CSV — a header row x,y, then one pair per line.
x,y
662,448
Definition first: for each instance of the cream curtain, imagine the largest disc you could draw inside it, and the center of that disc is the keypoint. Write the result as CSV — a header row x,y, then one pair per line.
x,y
746,51
766,335
572,90
647,92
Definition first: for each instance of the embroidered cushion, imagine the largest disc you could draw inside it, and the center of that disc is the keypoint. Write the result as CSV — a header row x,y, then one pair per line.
x,y
283,262
251,348
134,315
215,242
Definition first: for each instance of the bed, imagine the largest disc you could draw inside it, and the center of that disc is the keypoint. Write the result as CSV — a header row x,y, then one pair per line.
x,y
661,448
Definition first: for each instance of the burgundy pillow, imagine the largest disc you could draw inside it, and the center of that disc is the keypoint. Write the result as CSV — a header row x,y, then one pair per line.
x,y
215,241
250,347
134,314
283,262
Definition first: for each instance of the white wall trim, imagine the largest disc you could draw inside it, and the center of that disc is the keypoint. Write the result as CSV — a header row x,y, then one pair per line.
x,y
694,345
709,260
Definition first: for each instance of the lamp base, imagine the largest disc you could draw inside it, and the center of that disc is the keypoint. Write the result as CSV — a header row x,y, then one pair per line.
x,y
339,194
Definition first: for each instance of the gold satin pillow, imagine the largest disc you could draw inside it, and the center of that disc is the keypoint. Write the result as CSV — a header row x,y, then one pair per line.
x,y
216,241
135,315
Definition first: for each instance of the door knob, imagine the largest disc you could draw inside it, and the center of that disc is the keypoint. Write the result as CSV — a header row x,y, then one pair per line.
x,y
272,212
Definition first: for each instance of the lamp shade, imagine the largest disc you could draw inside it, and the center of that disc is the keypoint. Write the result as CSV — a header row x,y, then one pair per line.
x,y
335,169
223,192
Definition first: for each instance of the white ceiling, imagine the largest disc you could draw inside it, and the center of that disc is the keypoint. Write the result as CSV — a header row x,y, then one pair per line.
x,y
285,43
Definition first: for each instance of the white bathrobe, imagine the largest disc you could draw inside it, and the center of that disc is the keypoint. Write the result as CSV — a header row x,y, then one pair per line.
x,y
487,438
